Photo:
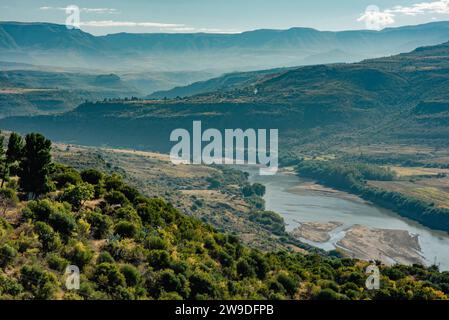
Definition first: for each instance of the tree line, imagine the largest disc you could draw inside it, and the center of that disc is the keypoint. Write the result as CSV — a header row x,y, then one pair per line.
x,y
352,177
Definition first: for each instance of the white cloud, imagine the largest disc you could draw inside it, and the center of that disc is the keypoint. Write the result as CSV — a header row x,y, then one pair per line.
x,y
380,19
438,7
86,10
172,27
111,23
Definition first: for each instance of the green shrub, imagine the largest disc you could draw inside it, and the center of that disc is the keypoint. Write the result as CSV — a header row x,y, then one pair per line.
x,y
92,176
108,277
79,254
159,259
65,176
78,194
100,225
40,283
105,256
116,198
7,255
126,229
132,275
56,262
47,236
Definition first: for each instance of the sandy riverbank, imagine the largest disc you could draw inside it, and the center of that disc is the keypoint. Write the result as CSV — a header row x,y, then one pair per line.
x,y
315,231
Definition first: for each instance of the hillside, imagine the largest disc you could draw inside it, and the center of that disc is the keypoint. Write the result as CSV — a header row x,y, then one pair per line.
x,y
399,99
55,45
130,247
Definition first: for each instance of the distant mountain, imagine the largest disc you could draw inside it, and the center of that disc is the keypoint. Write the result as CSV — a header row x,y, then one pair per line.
x,y
55,45
401,99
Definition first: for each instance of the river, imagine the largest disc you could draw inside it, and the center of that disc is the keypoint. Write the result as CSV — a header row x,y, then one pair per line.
x,y
314,206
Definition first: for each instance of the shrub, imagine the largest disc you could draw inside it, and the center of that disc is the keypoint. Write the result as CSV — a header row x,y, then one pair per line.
x,y
56,262
63,222
92,176
132,275
288,283
202,284
108,277
47,236
105,256
65,176
79,254
159,259
116,198
126,229
100,225
7,255
8,198
78,194
113,182
40,283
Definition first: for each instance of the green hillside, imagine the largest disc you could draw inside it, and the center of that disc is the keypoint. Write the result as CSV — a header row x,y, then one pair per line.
x,y
128,246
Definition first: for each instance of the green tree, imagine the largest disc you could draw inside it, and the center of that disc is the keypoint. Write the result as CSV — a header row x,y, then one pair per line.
x,y
13,154
15,148
36,165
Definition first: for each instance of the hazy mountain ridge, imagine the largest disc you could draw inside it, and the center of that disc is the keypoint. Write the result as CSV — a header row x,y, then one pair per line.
x,y
326,104
51,44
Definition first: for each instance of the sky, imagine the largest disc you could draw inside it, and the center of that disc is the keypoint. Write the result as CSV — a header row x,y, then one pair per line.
x,y
226,16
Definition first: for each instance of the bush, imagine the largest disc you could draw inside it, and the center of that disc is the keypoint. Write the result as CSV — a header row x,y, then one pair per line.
x,y
289,284
92,176
65,176
8,198
132,275
126,229
7,255
47,236
40,283
202,284
78,194
56,262
113,182
269,220
159,259
63,222
105,256
108,277
79,254
327,294
116,198
100,225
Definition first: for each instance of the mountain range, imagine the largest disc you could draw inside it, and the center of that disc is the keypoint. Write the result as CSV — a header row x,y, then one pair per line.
x,y
401,99
55,45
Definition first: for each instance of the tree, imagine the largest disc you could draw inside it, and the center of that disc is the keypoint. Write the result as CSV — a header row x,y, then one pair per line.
x,y
13,154
15,148
3,162
78,195
36,165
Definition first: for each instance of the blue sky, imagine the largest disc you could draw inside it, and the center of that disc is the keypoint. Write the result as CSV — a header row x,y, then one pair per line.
x,y
111,16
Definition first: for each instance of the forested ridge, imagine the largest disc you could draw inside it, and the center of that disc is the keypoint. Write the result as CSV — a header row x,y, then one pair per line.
x,y
352,177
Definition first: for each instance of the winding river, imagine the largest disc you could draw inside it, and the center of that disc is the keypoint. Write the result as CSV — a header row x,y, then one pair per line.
x,y
314,206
